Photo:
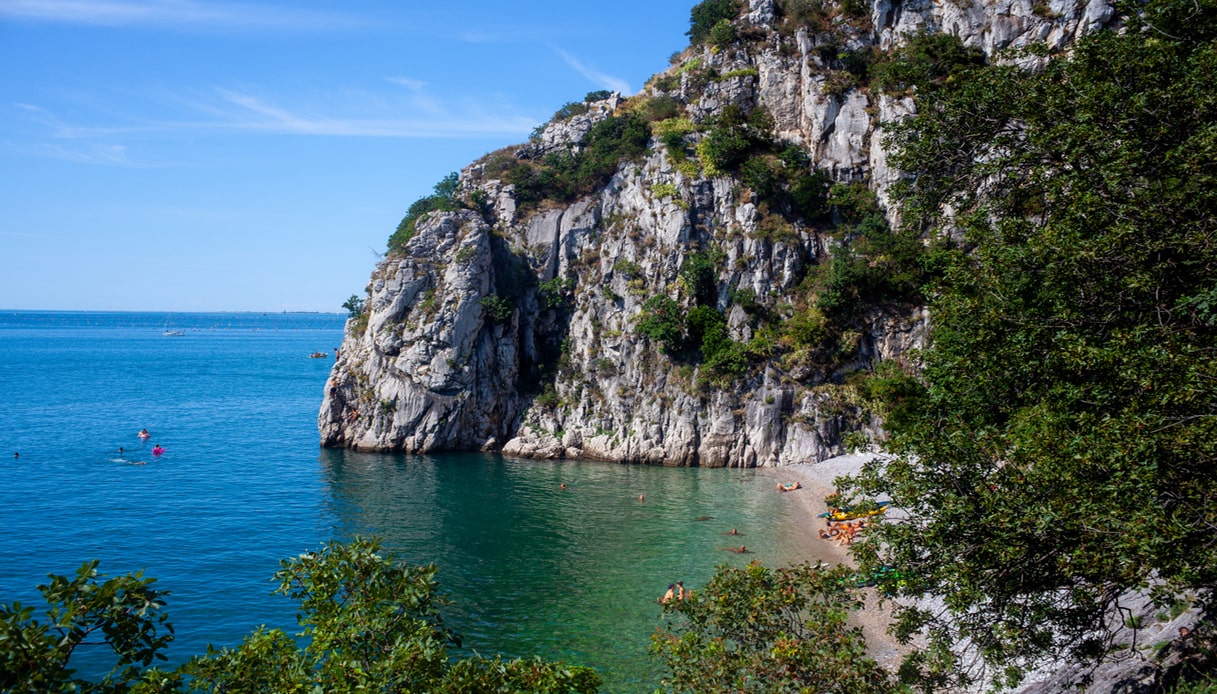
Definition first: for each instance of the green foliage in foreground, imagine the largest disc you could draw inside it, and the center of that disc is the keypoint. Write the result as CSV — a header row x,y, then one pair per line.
x,y
1061,446
124,612
370,625
754,629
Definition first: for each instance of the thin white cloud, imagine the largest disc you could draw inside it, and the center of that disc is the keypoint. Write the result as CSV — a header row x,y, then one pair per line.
x,y
595,76
172,13
270,118
419,100
98,154
408,83
505,34
227,111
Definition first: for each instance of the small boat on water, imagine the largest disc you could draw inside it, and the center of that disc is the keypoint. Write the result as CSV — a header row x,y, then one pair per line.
x,y
171,331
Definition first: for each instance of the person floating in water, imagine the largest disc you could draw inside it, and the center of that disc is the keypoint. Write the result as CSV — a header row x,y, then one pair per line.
x,y
143,434
157,450
641,497
738,550
16,456
732,531
562,486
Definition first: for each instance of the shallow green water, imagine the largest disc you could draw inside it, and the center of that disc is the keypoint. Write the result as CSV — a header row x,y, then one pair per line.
x,y
569,574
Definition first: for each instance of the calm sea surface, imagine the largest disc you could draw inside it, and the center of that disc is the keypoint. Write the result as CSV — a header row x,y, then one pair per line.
x,y
531,569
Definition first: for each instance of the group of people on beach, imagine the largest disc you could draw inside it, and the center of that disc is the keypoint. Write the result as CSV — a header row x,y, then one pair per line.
x,y
842,533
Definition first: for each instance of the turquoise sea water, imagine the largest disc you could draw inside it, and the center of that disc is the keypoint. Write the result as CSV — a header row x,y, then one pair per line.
x,y
531,568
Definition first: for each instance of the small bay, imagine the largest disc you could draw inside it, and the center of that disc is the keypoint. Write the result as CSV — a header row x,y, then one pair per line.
x,y
529,567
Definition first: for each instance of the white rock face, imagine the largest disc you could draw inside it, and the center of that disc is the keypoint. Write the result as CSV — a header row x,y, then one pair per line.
x,y
567,374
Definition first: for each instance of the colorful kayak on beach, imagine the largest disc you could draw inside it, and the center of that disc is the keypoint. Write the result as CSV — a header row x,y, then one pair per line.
x,y
848,513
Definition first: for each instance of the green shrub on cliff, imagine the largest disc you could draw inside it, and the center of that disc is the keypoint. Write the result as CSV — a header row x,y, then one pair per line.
x,y
444,198
706,15
926,58
564,176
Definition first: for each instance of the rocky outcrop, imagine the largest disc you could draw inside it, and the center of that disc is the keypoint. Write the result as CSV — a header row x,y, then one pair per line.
x,y
514,328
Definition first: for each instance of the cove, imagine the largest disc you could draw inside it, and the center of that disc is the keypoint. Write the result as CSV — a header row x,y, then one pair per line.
x,y
530,569
571,574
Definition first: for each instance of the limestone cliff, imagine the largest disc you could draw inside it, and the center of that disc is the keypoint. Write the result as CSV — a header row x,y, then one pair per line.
x,y
513,325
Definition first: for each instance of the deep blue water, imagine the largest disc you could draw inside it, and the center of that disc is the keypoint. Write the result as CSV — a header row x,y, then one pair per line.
x,y
530,568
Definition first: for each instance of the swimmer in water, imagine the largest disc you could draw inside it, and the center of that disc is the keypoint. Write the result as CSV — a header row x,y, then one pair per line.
x,y
732,531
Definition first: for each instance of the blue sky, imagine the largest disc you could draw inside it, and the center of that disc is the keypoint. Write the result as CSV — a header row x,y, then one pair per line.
x,y
190,155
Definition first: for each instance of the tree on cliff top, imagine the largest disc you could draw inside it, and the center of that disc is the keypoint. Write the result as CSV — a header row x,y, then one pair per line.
x,y
1061,447
706,14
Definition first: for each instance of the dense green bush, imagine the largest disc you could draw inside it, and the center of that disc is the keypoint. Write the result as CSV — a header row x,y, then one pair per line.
x,y
564,176
733,136
708,13
554,294
569,110
796,14
723,34
926,58
878,267
663,321
370,624
444,198
498,309
662,107
753,629
699,272
1066,434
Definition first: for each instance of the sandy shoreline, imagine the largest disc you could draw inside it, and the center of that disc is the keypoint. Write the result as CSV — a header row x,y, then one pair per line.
x,y
816,480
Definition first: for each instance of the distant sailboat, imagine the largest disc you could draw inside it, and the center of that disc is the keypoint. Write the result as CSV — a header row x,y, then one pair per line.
x,y
170,331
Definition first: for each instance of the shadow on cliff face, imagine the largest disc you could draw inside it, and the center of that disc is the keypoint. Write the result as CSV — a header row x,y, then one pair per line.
x,y
544,303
